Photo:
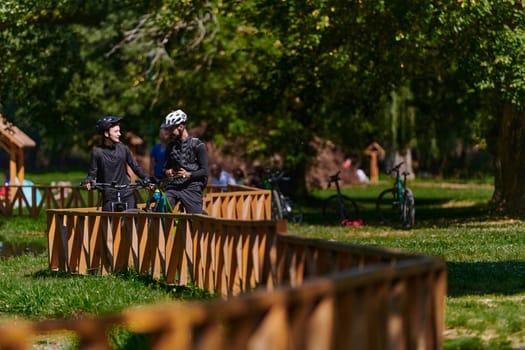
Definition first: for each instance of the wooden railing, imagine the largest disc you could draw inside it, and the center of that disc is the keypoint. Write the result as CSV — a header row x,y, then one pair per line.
x,y
239,203
32,200
383,306
247,203
290,292
224,256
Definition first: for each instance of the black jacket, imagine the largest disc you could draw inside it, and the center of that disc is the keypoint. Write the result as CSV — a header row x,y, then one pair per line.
x,y
108,165
190,155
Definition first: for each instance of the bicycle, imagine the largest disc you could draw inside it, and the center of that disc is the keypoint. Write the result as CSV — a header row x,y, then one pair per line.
x,y
396,206
126,223
118,205
158,201
339,208
282,207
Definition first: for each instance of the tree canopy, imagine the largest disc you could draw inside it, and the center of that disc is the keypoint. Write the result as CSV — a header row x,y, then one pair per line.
x,y
428,76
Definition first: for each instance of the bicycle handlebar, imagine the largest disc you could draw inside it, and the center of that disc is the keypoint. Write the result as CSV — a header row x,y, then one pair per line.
x,y
272,175
396,168
334,178
279,176
102,185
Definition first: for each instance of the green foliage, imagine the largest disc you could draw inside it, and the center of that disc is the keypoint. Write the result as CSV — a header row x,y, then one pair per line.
x,y
271,76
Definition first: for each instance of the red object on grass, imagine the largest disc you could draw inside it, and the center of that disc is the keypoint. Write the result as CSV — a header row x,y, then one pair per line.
x,y
355,223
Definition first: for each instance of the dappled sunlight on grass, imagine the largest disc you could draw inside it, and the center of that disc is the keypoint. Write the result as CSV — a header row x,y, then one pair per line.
x,y
484,254
458,204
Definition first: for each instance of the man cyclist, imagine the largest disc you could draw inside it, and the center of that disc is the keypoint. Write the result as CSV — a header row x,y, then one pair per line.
x,y
186,162
108,164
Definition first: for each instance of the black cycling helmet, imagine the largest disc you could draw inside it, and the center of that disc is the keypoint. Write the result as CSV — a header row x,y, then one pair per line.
x,y
107,122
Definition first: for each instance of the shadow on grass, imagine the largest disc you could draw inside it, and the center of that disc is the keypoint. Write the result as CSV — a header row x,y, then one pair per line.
x,y
479,278
9,249
430,212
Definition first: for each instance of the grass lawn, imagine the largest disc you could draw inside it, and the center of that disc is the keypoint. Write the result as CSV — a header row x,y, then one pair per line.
x,y
485,257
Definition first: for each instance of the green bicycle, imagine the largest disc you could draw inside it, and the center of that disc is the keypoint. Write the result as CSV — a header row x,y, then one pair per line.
x,y
396,206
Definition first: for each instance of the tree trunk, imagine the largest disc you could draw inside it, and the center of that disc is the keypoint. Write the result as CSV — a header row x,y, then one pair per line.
x,y
298,175
509,173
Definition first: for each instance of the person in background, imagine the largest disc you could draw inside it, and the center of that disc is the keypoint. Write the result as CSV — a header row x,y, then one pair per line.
x,y
108,164
220,177
352,163
238,175
187,163
158,153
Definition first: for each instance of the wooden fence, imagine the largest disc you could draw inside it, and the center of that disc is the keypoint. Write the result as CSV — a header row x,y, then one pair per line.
x,y
280,291
247,202
31,200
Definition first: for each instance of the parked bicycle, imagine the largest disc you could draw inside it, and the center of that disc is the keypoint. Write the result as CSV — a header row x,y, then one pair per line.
x,y
396,206
340,209
283,207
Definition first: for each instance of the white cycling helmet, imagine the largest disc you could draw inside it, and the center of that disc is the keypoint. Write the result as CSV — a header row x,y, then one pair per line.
x,y
175,118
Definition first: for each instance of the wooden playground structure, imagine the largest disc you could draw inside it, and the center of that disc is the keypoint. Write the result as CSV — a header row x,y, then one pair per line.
x,y
13,141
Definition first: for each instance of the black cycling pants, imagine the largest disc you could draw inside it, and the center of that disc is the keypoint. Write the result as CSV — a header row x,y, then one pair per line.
x,y
190,196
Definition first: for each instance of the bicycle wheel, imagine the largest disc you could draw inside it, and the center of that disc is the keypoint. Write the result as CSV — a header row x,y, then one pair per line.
x,y
334,213
388,207
292,211
409,210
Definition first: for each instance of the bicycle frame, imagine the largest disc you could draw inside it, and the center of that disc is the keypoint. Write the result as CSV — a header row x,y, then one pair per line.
x,y
399,199
116,206
400,186
399,183
162,204
345,208
282,207
335,179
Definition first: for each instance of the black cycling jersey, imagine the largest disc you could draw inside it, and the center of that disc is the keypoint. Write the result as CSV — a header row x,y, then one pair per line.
x,y
108,164
191,155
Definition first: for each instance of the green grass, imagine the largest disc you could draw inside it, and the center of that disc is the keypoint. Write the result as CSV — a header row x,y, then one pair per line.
x,y
485,256
485,260
75,177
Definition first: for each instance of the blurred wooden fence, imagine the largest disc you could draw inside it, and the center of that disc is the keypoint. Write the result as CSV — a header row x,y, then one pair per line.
x,y
279,291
